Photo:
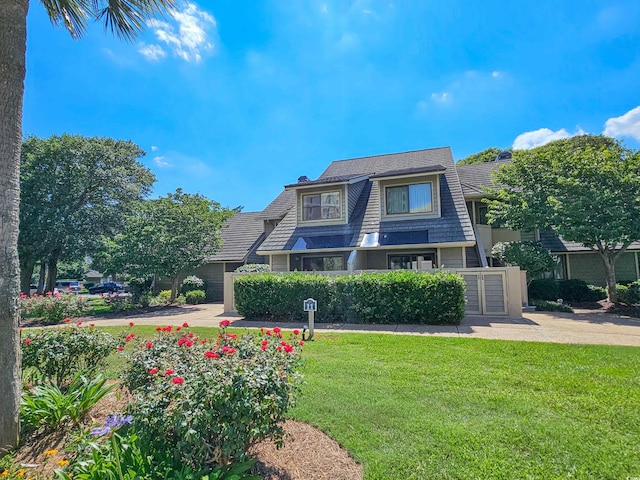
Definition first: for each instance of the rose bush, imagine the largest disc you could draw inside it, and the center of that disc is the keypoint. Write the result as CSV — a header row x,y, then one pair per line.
x,y
203,403
53,308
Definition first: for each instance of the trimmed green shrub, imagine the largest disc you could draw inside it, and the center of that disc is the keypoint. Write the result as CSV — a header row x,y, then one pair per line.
x,y
568,290
394,297
622,294
544,289
195,296
545,306
192,283
629,294
139,286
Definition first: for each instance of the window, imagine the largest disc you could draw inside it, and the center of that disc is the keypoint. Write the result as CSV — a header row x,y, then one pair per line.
x,y
403,262
414,198
321,206
322,264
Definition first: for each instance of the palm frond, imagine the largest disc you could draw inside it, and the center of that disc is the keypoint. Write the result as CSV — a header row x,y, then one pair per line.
x,y
126,18
73,14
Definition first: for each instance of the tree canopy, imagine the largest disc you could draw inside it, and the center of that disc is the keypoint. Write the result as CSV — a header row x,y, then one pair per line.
x,y
168,236
74,190
486,155
586,189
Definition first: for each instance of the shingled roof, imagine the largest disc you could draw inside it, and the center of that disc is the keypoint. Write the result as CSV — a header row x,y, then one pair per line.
x,y
474,177
454,225
241,235
559,245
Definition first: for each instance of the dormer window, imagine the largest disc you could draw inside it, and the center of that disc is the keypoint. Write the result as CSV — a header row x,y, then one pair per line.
x,y
407,199
321,206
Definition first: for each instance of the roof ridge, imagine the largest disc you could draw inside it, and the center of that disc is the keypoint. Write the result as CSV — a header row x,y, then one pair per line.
x,y
390,154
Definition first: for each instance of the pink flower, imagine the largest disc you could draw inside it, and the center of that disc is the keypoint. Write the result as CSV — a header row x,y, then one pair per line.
x,y
153,371
79,323
158,329
296,332
301,343
178,380
268,332
67,320
168,371
27,341
129,337
188,343
264,347
209,354
225,323
276,329
120,348
149,345
178,329
288,348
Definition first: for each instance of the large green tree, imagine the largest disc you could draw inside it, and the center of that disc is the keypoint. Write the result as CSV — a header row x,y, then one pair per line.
x,y
486,155
125,18
168,236
74,190
586,189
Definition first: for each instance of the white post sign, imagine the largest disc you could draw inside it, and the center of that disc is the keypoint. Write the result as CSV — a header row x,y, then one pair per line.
x,y
311,306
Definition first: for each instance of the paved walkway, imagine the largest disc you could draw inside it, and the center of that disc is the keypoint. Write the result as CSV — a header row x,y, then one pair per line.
x,y
582,326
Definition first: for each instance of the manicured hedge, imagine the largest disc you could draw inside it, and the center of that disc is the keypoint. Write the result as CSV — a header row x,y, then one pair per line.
x,y
394,297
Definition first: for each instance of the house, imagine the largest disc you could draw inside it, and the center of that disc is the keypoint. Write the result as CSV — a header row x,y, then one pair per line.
x,y
373,213
574,261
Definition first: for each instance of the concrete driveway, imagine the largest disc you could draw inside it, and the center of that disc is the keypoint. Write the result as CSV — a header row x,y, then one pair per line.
x,y
583,327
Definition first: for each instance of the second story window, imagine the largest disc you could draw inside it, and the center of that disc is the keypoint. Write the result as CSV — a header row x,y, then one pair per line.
x,y
321,206
405,199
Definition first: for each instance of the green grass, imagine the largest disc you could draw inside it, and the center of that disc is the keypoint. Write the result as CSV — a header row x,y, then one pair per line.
x,y
410,407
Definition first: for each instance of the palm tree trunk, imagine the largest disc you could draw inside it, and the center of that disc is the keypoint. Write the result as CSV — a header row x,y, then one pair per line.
x,y
13,42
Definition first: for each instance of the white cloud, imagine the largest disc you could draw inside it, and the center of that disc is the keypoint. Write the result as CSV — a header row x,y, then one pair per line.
x,y
495,74
160,162
152,52
442,97
542,136
627,125
186,34
154,148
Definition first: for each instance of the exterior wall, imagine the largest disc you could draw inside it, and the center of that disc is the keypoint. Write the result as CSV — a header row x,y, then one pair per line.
x,y
528,236
504,235
451,257
280,263
213,274
589,267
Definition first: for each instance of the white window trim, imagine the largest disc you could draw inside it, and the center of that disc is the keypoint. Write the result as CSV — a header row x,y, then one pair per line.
x,y
327,221
435,200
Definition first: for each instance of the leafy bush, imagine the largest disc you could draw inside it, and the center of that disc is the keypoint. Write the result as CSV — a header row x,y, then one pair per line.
x,y
528,255
254,268
629,294
569,290
139,286
394,297
195,296
61,353
545,306
47,406
544,289
202,403
163,297
53,308
192,283
118,303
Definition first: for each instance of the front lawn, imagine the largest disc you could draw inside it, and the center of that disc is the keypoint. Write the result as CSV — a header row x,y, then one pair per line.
x,y
412,407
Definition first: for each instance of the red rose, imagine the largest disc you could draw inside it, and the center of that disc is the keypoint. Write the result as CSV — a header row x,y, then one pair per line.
x,y
225,323
168,371
131,324
120,348
153,371
149,345
288,348
209,354
185,325
178,380
296,332
301,343
216,355
67,320
276,329
79,323
27,341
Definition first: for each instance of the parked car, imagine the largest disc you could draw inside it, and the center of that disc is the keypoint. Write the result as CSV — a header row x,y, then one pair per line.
x,y
107,287
69,286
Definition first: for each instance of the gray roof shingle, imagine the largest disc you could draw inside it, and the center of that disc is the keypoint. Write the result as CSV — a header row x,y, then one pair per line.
x,y
474,177
241,235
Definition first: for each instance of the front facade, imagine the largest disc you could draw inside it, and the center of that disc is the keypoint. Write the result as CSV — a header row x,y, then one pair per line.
x,y
373,213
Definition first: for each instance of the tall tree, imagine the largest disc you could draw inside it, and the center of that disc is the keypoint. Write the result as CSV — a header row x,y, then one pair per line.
x,y
586,189
74,189
169,236
486,155
125,18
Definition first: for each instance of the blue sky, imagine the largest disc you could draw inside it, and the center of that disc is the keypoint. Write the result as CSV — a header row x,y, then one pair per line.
x,y
235,99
